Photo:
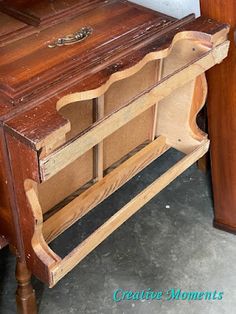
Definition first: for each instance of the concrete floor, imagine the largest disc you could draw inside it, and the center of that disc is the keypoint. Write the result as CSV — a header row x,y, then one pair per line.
x,y
170,243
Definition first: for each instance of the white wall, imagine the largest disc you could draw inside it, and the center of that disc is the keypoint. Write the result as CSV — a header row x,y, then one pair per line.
x,y
176,8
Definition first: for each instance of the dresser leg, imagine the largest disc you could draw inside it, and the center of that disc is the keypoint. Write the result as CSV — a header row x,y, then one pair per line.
x,y
25,295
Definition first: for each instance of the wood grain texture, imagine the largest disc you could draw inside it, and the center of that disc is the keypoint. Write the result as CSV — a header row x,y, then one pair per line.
x,y
81,251
47,13
126,22
23,167
46,107
81,205
41,124
25,295
222,120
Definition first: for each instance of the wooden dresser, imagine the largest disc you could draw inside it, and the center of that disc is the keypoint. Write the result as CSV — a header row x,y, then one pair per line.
x,y
91,92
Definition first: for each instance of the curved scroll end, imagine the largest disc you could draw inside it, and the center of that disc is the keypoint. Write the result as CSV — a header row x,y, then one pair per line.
x,y
31,191
198,102
204,41
42,253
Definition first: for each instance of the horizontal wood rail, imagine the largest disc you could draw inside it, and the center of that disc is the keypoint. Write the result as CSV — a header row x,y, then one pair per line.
x,y
94,195
69,152
61,268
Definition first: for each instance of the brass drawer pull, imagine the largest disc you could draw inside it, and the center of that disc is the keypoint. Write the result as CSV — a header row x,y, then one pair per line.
x,y
72,39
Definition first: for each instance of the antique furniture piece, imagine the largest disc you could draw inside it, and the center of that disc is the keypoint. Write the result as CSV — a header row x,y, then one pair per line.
x,y
91,92
222,121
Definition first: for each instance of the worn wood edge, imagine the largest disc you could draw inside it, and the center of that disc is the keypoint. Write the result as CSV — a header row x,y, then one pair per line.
x,y
69,152
59,270
93,196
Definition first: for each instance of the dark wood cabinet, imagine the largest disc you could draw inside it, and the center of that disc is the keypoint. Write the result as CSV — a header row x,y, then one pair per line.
x,y
222,120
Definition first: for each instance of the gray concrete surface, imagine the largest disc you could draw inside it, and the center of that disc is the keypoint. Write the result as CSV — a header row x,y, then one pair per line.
x,y
170,243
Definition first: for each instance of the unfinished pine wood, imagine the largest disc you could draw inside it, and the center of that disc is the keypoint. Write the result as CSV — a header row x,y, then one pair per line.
x,y
184,51
80,116
175,116
81,251
74,149
176,119
81,205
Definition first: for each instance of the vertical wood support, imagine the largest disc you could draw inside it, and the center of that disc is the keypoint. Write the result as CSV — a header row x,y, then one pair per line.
x,y
158,76
98,113
25,295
